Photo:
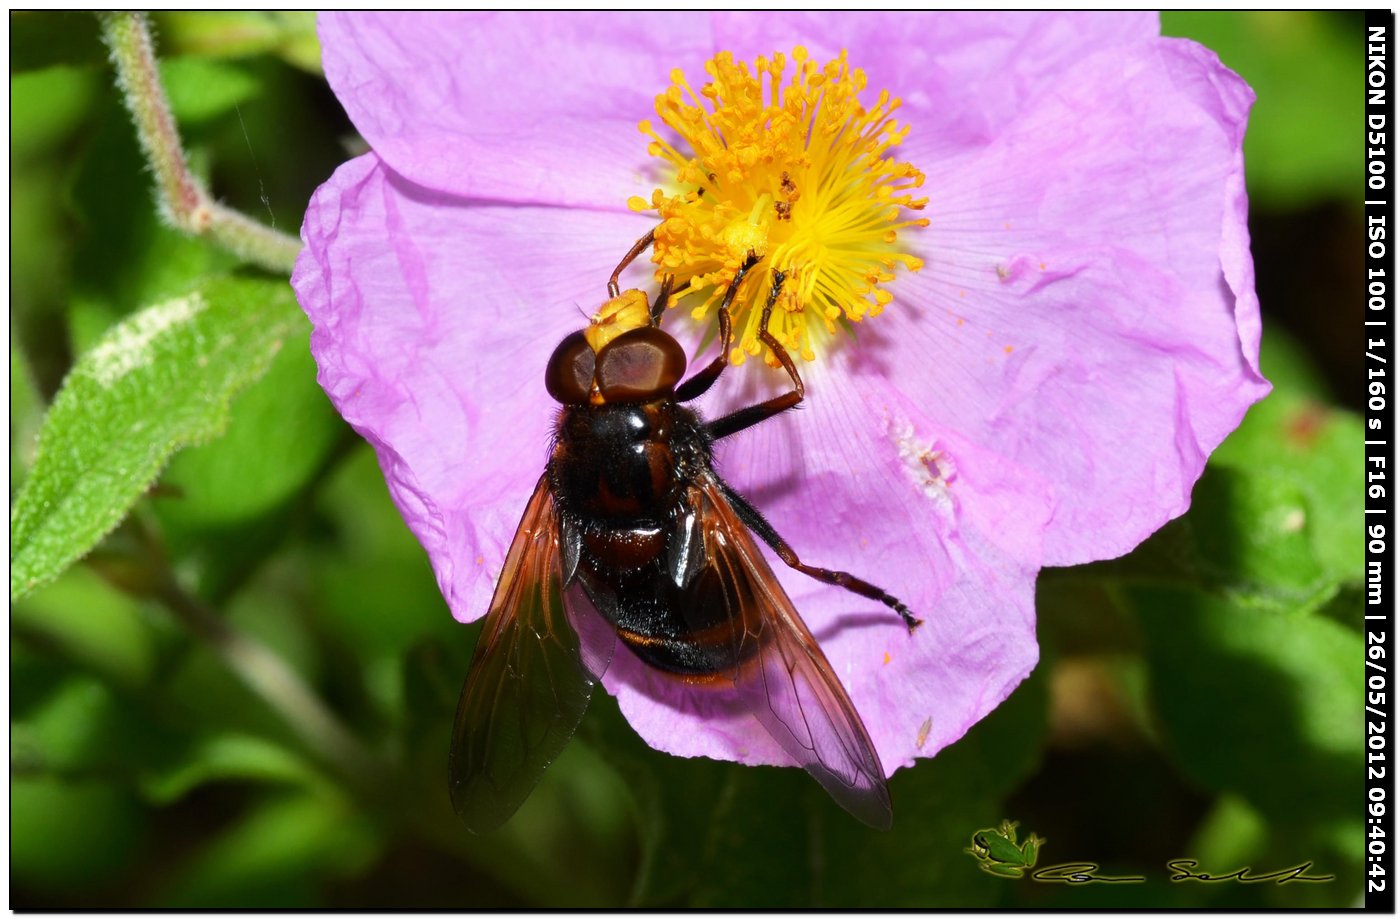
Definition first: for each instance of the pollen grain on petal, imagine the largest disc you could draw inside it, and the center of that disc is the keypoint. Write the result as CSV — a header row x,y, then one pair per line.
x,y
781,159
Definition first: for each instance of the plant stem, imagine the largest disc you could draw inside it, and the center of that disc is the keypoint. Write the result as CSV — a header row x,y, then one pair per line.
x,y
143,570
181,197
275,682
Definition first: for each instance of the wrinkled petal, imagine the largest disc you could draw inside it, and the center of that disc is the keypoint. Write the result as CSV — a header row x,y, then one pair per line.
x,y
434,320
1077,169
524,107
963,76
1087,307
476,103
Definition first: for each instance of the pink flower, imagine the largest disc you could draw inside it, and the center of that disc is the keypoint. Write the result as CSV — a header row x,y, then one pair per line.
x,y
1043,391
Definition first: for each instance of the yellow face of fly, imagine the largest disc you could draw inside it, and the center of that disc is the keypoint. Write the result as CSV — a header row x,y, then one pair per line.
x,y
623,313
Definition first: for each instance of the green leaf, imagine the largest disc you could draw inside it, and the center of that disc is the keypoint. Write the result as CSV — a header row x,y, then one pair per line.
x,y
573,835
1289,366
1232,833
72,838
276,441
26,410
1303,65
200,89
85,730
88,623
674,799
237,34
50,112
374,578
776,841
224,757
158,381
277,856
1256,704
938,806
33,676
44,39
1296,445
228,506
47,107
717,834
126,256
758,850
1251,540
774,838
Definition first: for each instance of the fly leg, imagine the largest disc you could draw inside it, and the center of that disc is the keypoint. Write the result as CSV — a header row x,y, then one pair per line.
x,y
748,417
760,525
658,305
704,379
663,293
637,249
753,414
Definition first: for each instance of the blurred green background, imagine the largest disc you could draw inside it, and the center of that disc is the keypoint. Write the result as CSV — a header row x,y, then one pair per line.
x,y
1200,698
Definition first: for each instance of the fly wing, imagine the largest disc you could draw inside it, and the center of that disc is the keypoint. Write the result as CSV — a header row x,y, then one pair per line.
x,y
784,678
528,685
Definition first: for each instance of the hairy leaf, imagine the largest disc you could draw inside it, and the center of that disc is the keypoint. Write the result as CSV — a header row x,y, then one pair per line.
x,y
158,381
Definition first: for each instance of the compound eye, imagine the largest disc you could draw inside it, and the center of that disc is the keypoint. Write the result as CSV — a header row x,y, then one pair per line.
x,y
639,365
569,376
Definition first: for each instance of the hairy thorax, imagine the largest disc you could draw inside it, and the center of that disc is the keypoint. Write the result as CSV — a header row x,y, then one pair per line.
x,y
626,466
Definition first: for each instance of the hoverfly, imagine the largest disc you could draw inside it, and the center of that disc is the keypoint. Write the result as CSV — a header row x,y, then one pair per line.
x,y
631,537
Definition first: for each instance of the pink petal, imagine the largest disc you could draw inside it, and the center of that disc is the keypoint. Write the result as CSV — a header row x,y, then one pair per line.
x,y
476,104
962,76
524,107
1087,308
434,319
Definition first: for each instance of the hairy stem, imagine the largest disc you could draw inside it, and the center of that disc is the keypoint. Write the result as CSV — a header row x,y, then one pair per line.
x,y
181,197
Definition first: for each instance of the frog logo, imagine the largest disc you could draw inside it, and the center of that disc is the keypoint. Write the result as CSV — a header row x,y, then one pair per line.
x,y
997,851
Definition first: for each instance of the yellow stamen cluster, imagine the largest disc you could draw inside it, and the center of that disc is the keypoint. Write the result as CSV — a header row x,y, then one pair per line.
x,y
795,172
